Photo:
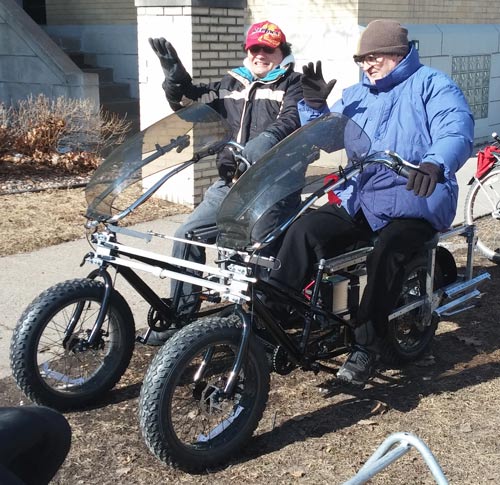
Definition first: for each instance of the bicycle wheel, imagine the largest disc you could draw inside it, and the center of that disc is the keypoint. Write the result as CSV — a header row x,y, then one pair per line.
x,y
407,339
482,208
185,418
58,369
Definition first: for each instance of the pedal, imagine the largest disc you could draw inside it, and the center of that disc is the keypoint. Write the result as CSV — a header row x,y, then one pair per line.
x,y
142,340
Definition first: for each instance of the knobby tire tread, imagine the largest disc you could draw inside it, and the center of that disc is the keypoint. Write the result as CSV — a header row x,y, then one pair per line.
x,y
36,314
162,368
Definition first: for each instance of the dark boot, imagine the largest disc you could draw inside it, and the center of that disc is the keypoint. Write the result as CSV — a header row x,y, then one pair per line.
x,y
358,367
360,363
156,339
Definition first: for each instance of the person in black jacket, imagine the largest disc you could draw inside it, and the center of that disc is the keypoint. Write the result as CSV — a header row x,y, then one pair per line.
x,y
258,100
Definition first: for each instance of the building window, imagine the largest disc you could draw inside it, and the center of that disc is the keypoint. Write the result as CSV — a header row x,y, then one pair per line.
x,y
472,74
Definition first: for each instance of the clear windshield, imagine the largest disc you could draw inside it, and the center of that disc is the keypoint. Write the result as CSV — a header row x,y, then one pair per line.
x,y
271,191
188,134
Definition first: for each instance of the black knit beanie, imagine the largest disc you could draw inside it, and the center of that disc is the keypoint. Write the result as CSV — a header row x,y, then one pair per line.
x,y
383,37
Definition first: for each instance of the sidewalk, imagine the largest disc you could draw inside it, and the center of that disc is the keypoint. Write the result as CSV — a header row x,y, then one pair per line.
x,y
24,276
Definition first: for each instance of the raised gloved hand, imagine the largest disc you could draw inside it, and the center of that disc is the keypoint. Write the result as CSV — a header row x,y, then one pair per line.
x,y
315,89
171,64
256,147
423,182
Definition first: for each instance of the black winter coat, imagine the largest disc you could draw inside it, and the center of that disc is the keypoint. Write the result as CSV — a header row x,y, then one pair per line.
x,y
249,106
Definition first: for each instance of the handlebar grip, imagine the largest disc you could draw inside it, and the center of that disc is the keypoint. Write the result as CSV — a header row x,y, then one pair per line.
x,y
404,171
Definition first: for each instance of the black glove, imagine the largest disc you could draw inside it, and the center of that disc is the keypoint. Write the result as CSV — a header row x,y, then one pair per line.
x,y
315,89
226,165
171,64
256,147
423,181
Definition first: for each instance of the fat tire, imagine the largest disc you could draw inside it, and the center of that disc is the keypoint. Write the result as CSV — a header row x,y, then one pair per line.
x,y
31,325
161,381
392,351
493,254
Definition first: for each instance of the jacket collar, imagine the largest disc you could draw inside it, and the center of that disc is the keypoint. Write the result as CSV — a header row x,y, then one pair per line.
x,y
400,73
244,72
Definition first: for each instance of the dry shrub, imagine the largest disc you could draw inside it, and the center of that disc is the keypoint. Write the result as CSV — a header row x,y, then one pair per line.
x,y
5,138
68,133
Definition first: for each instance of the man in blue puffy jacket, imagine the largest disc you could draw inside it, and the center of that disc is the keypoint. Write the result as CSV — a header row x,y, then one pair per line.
x,y
422,115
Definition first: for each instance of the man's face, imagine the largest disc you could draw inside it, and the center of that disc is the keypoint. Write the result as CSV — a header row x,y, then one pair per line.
x,y
263,59
377,66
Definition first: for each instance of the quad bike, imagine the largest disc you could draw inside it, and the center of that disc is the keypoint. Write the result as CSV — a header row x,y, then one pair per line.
x,y
207,387
482,203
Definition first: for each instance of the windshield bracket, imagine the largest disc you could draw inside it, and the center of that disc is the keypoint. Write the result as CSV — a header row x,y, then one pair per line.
x,y
178,143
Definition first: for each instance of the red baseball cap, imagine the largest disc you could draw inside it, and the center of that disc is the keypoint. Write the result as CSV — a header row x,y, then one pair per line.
x,y
264,33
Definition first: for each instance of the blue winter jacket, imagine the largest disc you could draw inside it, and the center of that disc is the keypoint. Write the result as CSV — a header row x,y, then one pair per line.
x,y
422,115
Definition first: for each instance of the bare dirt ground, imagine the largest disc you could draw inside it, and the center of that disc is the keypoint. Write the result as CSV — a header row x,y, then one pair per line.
x,y
312,431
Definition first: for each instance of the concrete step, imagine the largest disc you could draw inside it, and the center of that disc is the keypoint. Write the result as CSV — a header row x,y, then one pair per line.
x,y
114,96
105,73
83,60
112,91
122,107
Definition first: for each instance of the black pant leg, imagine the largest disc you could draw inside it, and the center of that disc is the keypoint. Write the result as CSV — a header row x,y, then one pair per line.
x,y
396,244
322,233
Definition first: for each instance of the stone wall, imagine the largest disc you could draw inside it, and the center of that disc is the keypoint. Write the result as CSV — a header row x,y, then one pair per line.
x,y
430,11
105,29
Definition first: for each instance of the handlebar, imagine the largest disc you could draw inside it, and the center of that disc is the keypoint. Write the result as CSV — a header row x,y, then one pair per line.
x,y
242,164
396,163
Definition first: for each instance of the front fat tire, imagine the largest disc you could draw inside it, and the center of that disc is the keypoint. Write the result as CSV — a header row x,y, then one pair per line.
x,y
176,415
478,210
67,378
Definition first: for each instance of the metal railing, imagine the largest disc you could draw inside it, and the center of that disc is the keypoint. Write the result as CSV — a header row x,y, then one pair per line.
x,y
393,447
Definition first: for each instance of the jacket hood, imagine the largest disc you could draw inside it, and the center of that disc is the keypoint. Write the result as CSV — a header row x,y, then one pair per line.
x,y
400,73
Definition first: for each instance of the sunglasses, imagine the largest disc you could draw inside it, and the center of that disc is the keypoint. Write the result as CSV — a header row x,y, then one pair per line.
x,y
371,60
255,49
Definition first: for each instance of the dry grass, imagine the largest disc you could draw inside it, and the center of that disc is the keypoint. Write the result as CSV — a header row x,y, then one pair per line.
x,y
31,221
